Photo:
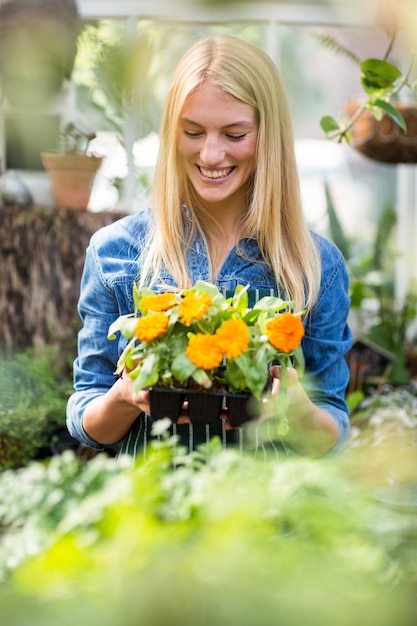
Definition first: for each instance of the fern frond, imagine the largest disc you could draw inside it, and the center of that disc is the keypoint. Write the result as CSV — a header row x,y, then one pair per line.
x,y
327,41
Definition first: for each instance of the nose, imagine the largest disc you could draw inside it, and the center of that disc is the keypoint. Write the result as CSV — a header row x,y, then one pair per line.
x,y
212,150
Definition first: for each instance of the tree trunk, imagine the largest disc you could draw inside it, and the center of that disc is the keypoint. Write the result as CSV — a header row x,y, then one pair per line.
x,y
42,255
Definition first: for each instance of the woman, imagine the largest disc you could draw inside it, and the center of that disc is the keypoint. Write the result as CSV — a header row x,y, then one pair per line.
x,y
226,209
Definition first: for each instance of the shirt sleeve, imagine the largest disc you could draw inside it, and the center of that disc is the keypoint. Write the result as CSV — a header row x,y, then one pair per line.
x,y
101,301
327,339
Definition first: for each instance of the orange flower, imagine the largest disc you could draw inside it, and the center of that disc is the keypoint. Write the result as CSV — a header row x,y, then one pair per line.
x,y
151,326
158,302
285,332
204,351
193,307
233,337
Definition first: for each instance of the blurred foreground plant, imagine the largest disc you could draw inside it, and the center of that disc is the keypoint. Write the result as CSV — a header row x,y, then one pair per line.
x,y
212,537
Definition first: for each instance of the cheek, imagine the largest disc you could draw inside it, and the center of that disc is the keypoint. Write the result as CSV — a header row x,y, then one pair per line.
x,y
185,150
249,153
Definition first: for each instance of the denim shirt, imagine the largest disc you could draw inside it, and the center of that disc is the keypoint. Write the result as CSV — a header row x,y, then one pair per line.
x,y
106,293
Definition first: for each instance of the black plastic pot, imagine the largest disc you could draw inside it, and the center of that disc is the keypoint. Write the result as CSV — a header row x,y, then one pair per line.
x,y
165,402
204,406
242,408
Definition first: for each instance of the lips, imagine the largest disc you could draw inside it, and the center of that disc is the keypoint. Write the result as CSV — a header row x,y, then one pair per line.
x,y
216,174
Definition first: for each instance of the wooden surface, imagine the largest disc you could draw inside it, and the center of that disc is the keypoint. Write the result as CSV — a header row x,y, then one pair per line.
x,y
42,254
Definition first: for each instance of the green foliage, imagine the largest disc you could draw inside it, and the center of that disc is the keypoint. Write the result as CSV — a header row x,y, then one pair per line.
x,y
329,42
32,405
378,76
74,140
117,75
381,82
372,279
215,537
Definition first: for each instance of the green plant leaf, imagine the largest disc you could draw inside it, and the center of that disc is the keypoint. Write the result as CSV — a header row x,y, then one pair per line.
x,y
182,368
327,41
240,299
201,378
299,361
124,324
271,304
378,77
336,230
354,399
392,112
148,374
329,124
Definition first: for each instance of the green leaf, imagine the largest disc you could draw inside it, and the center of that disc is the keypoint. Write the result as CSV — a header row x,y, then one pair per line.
x,y
254,371
271,304
354,399
182,368
234,376
327,41
202,285
336,230
240,299
201,378
378,77
329,124
251,316
299,361
126,357
392,112
283,427
138,295
124,324
148,374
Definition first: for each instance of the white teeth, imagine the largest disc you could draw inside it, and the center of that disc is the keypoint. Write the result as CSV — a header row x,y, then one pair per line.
x,y
216,173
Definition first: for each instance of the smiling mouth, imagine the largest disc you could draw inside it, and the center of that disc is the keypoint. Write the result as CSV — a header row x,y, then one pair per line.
x,y
216,174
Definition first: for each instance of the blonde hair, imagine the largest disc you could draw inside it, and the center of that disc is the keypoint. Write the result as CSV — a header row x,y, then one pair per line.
x,y
274,214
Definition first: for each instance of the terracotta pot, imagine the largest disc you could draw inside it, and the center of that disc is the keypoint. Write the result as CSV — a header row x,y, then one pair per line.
x,y
71,176
384,140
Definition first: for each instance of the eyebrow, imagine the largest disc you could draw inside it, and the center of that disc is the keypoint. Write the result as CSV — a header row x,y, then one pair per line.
x,y
186,120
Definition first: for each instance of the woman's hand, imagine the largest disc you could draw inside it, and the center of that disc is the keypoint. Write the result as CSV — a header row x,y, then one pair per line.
x,y
312,430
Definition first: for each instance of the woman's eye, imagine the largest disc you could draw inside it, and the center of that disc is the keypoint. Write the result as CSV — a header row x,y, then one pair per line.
x,y
192,134
236,137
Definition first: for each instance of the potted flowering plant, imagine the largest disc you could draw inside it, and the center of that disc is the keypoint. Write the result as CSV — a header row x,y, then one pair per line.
x,y
199,345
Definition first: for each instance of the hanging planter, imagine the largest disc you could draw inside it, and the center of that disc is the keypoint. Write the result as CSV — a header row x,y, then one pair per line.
x,y
380,126
384,140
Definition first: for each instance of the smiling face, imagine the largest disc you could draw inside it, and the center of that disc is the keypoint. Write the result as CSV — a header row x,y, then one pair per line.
x,y
217,143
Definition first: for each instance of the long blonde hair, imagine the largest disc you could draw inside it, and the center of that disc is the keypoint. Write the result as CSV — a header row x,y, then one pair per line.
x,y
274,214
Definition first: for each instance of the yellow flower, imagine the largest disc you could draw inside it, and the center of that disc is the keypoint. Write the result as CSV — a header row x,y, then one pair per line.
x,y
151,326
233,337
193,307
204,351
285,332
158,302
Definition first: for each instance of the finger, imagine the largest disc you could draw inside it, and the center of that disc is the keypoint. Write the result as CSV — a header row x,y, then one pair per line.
x,y
275,371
